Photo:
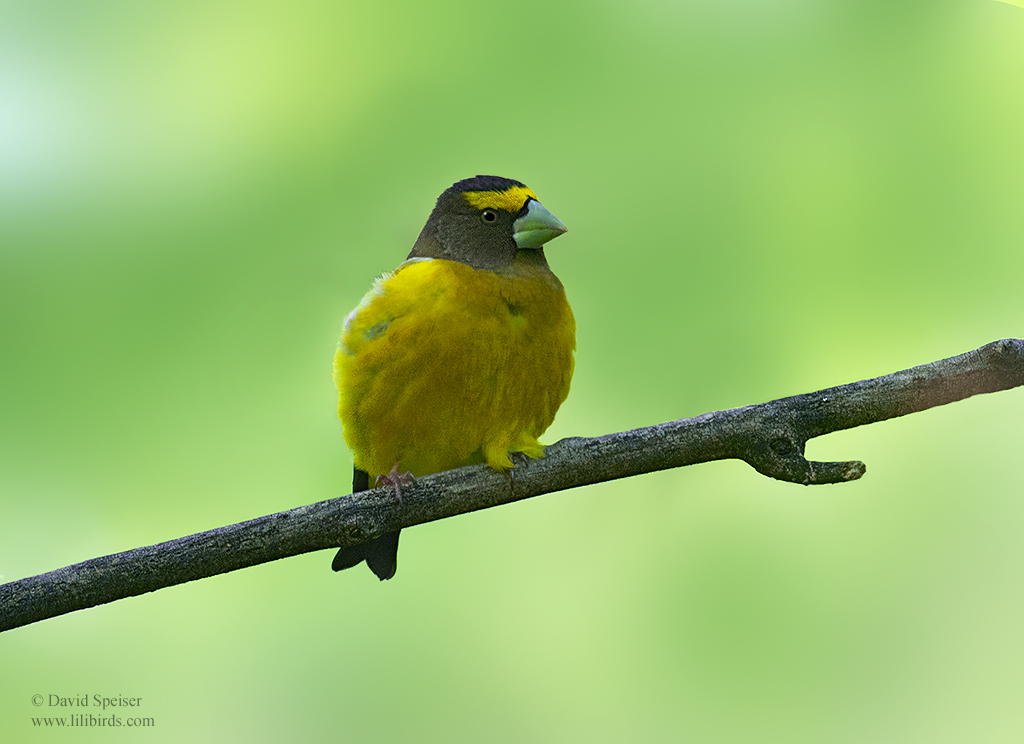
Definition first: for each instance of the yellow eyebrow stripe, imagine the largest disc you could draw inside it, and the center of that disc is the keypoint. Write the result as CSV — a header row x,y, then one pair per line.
x,y
511,199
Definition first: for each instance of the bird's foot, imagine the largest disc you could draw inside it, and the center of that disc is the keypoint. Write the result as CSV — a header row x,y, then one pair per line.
x,y
518,458
396,480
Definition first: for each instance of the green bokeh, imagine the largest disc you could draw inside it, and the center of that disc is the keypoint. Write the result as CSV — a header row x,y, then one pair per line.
x,y
764,198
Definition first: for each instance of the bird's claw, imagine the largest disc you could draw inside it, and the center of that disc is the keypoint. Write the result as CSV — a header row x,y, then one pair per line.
x,y
518,458
396,480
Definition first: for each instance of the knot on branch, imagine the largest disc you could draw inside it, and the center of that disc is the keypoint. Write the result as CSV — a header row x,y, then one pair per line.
x,y
779,454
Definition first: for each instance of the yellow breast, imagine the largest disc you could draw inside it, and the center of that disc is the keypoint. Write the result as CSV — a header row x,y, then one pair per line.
x,y
443,365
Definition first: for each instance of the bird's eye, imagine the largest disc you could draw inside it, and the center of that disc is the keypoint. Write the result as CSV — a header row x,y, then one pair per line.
x,y
489,215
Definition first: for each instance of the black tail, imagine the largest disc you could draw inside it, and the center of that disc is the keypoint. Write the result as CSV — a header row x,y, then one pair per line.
x,y
381,555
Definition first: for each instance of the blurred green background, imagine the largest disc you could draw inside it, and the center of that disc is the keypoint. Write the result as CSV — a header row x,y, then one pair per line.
x,y
765,197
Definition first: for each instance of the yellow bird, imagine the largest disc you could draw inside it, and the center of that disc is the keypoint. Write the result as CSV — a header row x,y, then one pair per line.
x,y
462,355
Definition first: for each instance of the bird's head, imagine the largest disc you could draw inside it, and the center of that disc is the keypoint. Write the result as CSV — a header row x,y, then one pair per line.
x,y
485,222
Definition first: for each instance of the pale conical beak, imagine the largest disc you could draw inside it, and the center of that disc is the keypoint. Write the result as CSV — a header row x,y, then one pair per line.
x,y
536,227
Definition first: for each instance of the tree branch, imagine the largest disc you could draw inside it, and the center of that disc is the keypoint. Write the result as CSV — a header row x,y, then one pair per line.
x,y
770,437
